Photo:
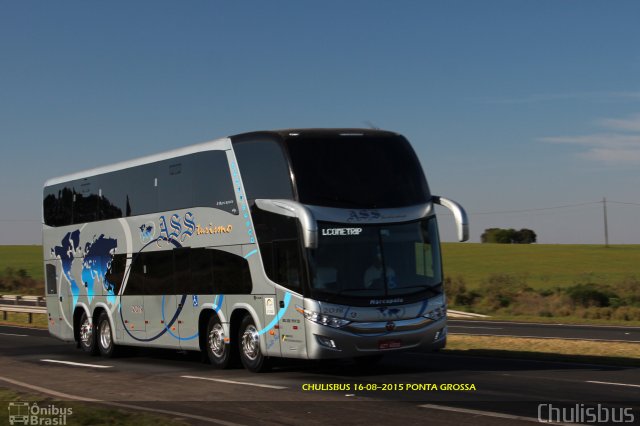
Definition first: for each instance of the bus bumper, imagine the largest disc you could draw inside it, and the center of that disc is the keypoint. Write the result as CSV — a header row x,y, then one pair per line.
x,y
324,342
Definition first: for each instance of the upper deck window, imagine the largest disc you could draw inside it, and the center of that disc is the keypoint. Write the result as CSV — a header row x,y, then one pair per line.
x,y
201,179
356,171
264,169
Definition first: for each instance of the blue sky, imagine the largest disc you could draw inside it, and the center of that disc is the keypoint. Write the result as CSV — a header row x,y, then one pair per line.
x,y
511,105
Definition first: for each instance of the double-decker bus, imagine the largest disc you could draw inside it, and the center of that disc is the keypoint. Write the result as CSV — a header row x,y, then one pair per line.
x,y
305,243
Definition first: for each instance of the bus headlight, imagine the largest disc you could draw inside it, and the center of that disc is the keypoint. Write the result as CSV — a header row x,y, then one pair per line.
x,y
437,313
323,319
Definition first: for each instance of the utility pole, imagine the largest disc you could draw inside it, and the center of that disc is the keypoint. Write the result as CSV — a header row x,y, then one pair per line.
x,y
606,227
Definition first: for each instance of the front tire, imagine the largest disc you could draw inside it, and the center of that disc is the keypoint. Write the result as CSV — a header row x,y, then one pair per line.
x,y
249,345
104,337
86,336
218,350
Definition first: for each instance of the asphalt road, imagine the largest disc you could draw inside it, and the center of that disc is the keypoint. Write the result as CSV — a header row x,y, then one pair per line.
x,y
400,390
549,331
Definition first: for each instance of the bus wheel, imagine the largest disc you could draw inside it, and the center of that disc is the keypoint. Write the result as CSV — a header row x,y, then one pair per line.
x,y
86,335
105,336
249,341
218,351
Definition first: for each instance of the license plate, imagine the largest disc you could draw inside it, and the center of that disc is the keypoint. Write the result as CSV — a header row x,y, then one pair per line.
x,y
389,344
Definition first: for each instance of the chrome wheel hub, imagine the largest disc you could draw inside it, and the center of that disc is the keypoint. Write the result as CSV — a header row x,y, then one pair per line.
x,y
105,335
216,340
251,343
85,332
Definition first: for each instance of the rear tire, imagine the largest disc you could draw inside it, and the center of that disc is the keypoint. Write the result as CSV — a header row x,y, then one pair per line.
x,y
249,346
218,350
104,336
86,336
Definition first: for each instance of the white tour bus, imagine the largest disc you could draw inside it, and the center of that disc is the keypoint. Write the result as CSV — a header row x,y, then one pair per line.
x,y
305,243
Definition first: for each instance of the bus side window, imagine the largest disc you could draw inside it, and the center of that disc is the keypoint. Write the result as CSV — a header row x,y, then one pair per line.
x,y
58,205
230,273
135,282
264,169
287,260
116,271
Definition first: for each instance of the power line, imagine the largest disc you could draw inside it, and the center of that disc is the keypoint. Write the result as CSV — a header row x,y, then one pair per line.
x,y
623,202
539,208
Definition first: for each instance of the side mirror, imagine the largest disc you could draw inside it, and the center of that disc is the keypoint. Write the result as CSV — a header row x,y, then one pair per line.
x,y
294,209
462,221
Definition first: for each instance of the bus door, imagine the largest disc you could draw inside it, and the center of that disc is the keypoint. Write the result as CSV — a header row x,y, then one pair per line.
x,y
160,306
289,273
189,266
132,306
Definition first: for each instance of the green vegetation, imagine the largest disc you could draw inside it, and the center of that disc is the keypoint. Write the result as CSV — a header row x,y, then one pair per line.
x,y
508,236
616,353
27,258
21,270
574,283
22,320
542,266
87,413
569,282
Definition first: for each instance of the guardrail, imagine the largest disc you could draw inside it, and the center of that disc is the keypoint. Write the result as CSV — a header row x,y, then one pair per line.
x,y
30,310
22,304
22,300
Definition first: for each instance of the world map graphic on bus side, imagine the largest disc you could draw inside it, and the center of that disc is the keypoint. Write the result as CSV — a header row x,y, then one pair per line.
x,y
97,257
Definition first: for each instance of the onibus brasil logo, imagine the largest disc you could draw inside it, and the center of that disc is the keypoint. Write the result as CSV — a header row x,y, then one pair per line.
x,y
26,413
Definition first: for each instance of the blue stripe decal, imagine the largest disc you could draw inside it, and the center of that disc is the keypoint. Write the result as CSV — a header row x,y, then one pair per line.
x,y
251,253
217,303
287,299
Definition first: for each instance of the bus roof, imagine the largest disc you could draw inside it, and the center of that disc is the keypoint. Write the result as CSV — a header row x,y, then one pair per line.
x,y
222,143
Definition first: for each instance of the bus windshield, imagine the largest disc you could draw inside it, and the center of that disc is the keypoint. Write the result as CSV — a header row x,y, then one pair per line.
x,y
357,171
363,263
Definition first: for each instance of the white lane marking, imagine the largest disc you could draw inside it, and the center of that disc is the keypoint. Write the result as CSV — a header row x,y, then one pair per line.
x,y
76,364
233,382
479,413
62,395
547,337
11,334
483,328
613,384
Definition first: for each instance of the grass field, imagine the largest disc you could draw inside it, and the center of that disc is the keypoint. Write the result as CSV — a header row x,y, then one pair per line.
x,y
28,258
542,266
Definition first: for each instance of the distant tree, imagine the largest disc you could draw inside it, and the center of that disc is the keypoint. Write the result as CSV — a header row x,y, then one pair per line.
x,y
508,236
526,236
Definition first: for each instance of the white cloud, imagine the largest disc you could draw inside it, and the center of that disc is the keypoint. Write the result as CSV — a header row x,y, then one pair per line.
x,y
613,156
621,146
631,123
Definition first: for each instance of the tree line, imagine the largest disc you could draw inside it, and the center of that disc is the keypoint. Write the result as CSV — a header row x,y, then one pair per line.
x,y
508,236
